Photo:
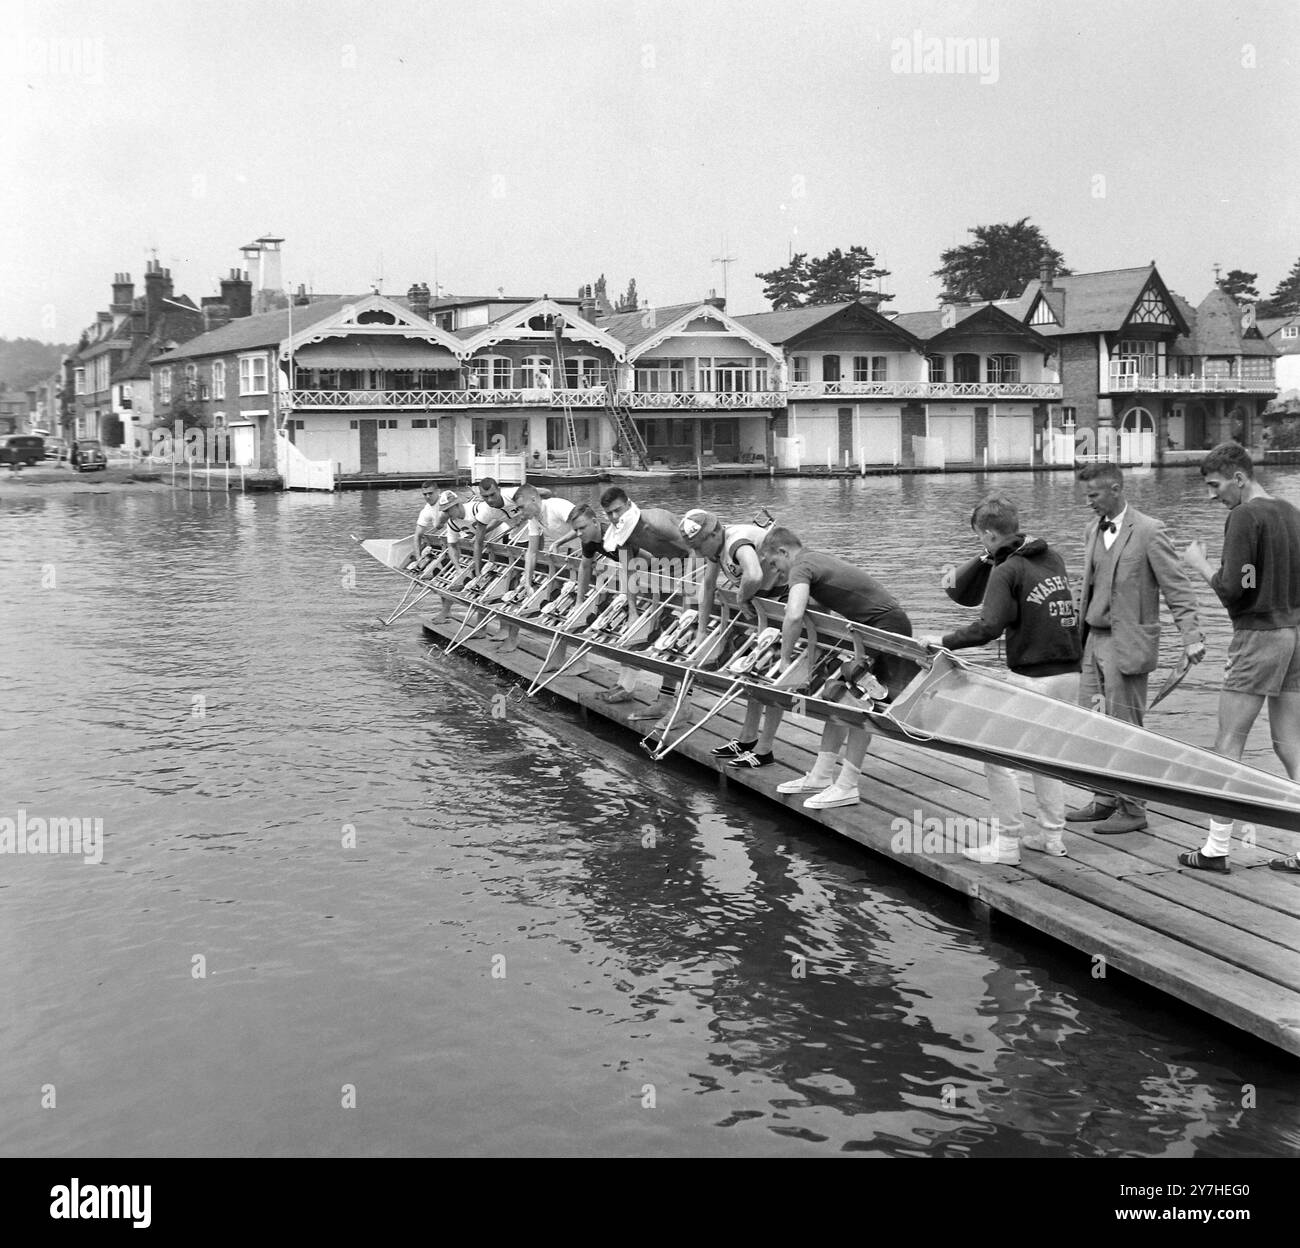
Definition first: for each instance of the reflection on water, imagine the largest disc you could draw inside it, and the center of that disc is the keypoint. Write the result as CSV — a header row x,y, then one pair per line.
x,y
510,935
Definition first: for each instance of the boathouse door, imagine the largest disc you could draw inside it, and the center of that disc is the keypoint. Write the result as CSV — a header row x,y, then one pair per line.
x,y
369,431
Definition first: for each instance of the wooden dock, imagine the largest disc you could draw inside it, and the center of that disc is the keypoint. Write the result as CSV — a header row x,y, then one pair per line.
x,y
1227,945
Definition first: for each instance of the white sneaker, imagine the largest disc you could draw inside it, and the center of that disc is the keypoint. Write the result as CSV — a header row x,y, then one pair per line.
x,y
1045,843
1001,853
836,795
804,784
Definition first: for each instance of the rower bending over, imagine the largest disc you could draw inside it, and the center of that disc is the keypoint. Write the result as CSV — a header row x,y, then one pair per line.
x,y
839,587
731,550
549,526
652,532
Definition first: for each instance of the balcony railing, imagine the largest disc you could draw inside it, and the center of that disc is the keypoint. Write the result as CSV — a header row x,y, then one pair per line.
x,y
1127,383
696,400
926,389
590,397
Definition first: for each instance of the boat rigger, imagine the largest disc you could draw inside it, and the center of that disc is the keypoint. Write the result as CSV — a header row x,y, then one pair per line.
x,y
949,705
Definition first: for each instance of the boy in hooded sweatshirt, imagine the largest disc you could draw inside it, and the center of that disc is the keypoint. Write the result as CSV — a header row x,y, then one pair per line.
x,y
1027,597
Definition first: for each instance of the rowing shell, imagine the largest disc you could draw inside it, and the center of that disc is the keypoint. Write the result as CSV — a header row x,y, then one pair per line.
x,y
947,704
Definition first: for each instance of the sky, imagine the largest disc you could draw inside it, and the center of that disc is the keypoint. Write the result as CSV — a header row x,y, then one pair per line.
x,y
536,144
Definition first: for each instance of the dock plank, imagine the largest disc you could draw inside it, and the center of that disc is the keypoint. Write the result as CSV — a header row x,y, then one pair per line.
x,y
1225,945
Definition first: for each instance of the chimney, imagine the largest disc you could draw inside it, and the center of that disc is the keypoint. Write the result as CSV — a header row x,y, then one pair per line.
x,y
1046,271
418,297
237,294
157,287
269,277
715,301
302,298
216,312
123,293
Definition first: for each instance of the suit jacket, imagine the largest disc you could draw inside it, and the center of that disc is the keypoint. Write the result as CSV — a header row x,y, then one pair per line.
x,y
1144,566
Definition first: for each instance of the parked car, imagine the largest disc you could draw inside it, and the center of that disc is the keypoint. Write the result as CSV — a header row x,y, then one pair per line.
x,y
89,455
20,449
56,449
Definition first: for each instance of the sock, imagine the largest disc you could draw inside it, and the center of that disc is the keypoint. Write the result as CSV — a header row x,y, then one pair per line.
x,y
1218,841
749,745
823,767
849,775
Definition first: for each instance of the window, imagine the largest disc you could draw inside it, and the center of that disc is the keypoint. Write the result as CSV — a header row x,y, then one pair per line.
x,y
219,379
861,368
535,373
79,381
661,376
799,368
1004,368
879,368
191,381
1291,331
581,372
938,367
252,374
965,368
419,424
164,385
1141,350
1257,367
830,368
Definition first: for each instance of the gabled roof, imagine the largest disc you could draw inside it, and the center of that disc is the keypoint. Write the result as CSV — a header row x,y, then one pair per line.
x,y
1271,327
652,327
349,323
515,325
786,323
1093,303
633,328
983,321
269,329
789,325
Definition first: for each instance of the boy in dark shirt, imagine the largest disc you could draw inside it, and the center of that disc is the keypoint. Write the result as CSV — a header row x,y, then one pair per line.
x,y
1259,583
1028,598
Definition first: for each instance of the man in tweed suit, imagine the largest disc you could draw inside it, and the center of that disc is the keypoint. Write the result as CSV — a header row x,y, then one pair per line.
x,y
1128,563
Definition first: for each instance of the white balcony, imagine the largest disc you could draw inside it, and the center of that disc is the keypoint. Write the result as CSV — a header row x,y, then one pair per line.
x,y
587,397
1049,390
1129,383
701,400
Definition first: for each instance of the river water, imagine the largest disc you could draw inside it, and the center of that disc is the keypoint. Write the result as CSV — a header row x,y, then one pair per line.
x,y
343,909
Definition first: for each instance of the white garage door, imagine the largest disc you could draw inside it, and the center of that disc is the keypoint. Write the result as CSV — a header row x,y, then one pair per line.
x,y
1011,439
880,439
958,434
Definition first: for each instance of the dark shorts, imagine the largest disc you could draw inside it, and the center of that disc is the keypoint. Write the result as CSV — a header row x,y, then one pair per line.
x,y
1263,661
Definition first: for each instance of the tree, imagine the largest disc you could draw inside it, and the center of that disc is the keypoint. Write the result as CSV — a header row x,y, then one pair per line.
x,y
1001,261
833,278
1285,300
786,287
837,276
1241,286
628,303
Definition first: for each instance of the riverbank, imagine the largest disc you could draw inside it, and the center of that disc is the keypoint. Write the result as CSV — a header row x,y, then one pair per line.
x,y
121,478
62,481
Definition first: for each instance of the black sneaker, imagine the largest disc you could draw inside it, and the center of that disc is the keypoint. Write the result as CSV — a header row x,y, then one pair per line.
x,y
733,748
750,759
